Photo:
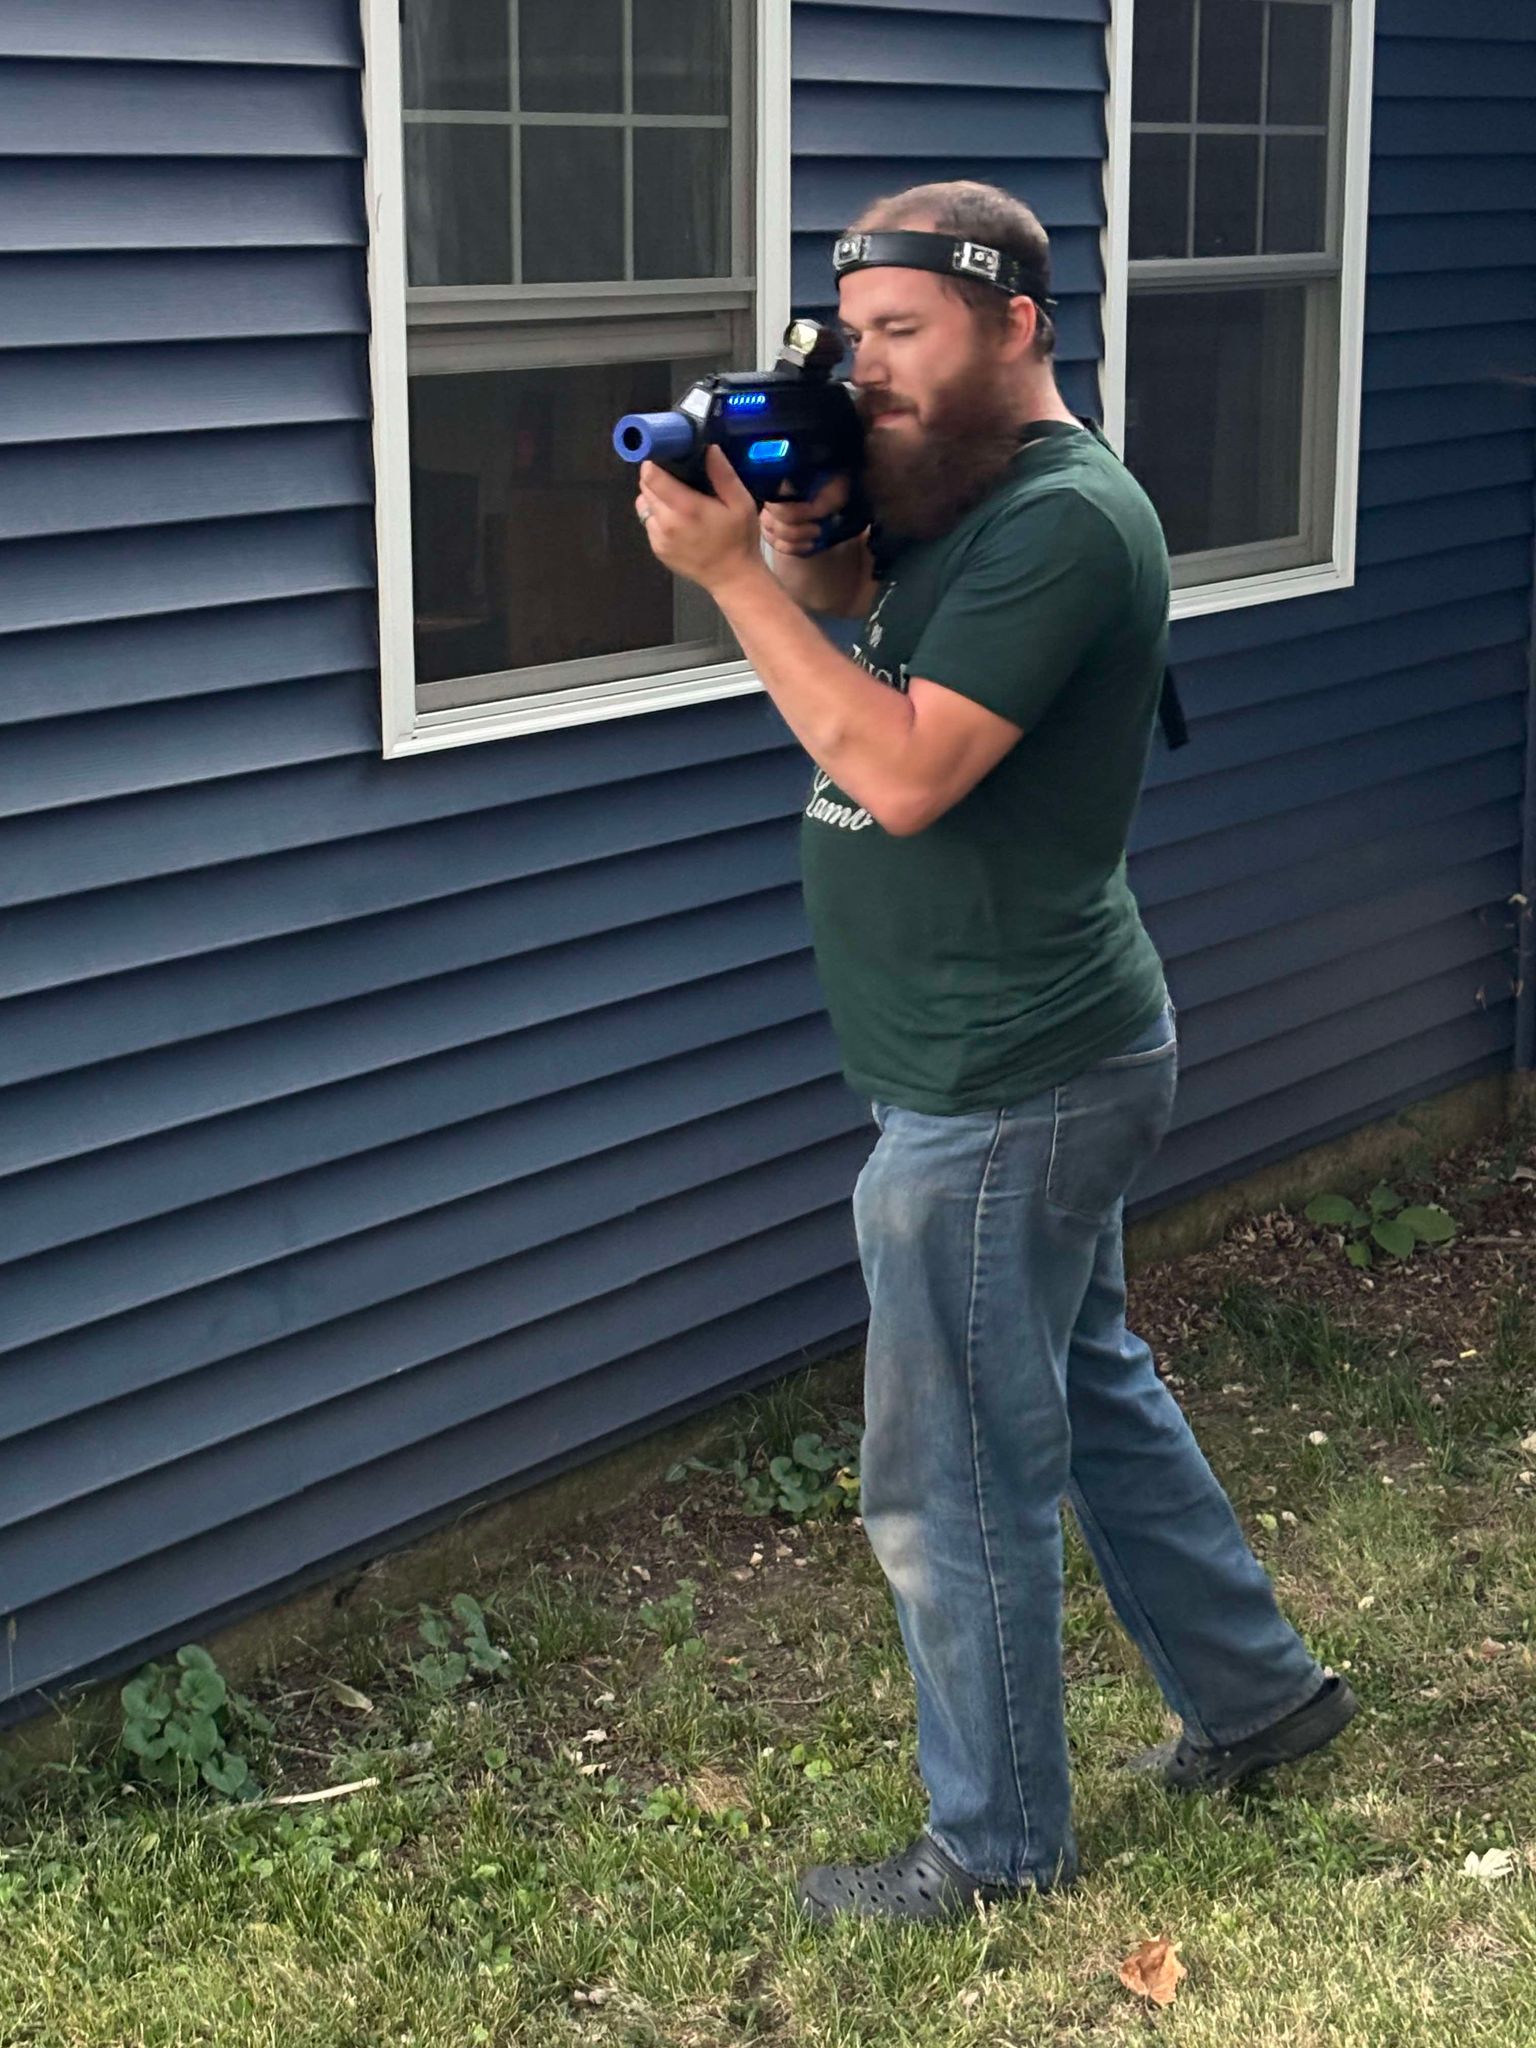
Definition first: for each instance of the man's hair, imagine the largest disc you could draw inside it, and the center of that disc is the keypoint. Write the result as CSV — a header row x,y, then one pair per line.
x,y
977,213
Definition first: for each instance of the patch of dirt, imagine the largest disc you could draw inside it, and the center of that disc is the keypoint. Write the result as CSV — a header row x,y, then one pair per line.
x,y
1442,1300
716,1791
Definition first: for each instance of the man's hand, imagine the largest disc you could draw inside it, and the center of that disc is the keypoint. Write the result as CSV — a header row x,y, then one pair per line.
x,y
711,541
839,580
789,524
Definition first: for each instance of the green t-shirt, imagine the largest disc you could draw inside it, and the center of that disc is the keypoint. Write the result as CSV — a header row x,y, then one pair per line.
x,y
1000,951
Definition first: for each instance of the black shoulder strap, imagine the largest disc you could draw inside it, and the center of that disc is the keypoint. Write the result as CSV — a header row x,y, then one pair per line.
x,y
1170,714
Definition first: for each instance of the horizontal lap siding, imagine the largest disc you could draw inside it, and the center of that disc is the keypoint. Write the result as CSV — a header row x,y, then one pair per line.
x,y
894,95
1329,866
374,1138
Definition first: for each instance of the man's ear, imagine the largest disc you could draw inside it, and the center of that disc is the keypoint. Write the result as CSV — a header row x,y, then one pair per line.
x,y
1023,325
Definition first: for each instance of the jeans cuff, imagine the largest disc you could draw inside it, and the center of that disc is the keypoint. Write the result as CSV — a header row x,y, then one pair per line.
x,y
1229,1738
1061,1872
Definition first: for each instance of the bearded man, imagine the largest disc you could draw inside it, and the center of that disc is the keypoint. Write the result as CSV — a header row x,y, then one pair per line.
x,y
996,997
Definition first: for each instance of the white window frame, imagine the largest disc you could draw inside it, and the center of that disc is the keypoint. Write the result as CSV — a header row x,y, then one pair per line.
x,y
407,730
1338,573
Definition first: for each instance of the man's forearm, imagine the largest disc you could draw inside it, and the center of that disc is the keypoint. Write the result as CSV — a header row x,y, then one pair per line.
x,y
831,582
859,730
905,756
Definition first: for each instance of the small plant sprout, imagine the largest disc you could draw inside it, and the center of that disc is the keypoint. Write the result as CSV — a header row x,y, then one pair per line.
x,y
180,1728
1384,1224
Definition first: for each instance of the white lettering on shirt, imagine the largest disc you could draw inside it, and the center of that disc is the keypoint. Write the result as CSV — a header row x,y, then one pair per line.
x,y
822,811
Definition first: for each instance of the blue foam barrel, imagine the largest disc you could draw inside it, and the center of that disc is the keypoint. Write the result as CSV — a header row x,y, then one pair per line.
x,y
653,436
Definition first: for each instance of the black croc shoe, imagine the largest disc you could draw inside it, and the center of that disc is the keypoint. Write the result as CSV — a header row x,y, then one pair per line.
x,y
1187,1766
918,1883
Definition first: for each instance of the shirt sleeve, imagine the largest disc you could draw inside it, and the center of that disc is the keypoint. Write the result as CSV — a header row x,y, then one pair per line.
x,y
1031,595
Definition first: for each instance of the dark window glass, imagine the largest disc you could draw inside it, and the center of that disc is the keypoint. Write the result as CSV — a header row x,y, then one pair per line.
x,y
1162,61
682,56
571,56
682,202
458,204
1231,60
453,54
573,205
1300,61
1214,405
1295,194
1159,195
1226,195
526,545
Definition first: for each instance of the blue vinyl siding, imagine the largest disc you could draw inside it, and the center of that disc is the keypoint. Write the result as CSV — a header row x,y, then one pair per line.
x,y
373,1138
887,96
1346,947
377,1138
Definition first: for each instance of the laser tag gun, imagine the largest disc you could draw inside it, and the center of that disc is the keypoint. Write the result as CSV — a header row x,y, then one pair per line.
x,y
786,431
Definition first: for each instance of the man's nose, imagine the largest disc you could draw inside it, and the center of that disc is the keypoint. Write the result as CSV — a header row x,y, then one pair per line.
x,y
868,370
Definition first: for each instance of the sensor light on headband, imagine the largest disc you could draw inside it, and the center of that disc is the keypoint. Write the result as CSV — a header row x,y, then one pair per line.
x,y
946,255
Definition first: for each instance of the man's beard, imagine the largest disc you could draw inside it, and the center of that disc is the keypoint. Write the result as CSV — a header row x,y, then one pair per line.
x,y
922,486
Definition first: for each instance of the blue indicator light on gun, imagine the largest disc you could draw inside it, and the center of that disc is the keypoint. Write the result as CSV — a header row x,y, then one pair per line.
x,y
747,401
768,451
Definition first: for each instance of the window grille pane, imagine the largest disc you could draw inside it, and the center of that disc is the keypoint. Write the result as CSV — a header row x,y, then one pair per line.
x,y
1295,194
458,204
453,54
682,56
571,56
682,202
1226,195
1215,407
573,205
1231,59
1159,195
526,546
1300,61
1162,62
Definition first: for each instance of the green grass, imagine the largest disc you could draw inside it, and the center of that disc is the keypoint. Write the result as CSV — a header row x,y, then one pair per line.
x,y
490,1890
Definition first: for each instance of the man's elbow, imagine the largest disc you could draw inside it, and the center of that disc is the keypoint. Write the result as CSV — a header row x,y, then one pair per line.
x,y
904,815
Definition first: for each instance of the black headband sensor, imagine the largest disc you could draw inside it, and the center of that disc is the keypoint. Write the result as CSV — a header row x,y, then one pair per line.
x,y
945,255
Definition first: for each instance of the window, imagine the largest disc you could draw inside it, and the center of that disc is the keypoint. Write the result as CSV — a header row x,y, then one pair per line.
x,y
578,207
1236,259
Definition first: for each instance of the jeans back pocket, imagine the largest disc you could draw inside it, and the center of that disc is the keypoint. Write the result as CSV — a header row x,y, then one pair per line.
x,y
1108,1123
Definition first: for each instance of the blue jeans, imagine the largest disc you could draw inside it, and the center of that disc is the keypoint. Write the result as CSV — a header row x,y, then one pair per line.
x,y
1000,1379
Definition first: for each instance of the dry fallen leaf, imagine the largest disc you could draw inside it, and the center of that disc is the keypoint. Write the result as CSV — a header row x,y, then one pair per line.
x,y
349,1696
1154,1972
1496,1863
1528,1444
